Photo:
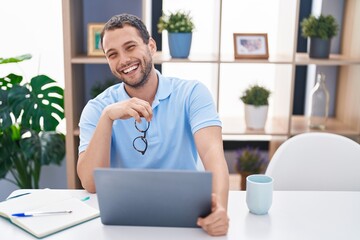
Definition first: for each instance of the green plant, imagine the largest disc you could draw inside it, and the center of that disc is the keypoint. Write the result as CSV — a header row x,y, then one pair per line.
x,y
29,115
176,22
256,95
324,27
250,160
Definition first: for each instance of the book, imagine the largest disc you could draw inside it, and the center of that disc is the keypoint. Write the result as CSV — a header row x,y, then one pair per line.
x,y
47,201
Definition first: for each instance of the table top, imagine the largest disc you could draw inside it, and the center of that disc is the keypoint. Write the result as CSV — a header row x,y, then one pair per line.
x,y
293,215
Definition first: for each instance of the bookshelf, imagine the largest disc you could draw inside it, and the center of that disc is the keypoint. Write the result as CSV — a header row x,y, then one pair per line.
x,y
219,61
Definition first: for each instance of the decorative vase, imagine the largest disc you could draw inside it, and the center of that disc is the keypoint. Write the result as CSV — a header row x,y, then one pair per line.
x,y
319,48
179,44
255,116
319,104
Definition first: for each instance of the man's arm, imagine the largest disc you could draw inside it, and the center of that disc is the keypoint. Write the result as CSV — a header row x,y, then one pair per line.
x,y
210,147
97,153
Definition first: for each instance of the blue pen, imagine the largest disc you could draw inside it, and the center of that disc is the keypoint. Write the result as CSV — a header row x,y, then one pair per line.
x,y
35,214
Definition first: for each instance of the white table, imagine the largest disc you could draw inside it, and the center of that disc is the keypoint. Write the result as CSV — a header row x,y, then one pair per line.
x,y
293,215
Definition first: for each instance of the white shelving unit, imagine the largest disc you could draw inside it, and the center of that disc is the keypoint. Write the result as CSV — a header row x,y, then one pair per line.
x,y
211,61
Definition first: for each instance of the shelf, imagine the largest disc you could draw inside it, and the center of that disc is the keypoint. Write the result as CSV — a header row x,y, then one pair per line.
x,y
212,62
299,125
234,137
334,60
84,59
233,127
272,59
300,59
159,58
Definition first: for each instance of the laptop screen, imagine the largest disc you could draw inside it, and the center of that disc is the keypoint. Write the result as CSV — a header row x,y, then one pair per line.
x,y
153,197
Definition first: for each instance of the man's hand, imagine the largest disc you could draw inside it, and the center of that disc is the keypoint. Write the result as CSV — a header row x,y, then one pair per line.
x,y
217,223
134,107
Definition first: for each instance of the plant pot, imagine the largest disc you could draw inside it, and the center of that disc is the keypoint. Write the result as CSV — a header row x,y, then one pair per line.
x,y
179,44
256,116
319,48
243,176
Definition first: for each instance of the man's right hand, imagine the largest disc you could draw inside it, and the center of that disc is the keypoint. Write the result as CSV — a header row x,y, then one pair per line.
x,y
133,107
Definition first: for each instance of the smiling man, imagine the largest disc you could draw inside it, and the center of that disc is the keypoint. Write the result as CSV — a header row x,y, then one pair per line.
x,y
151,121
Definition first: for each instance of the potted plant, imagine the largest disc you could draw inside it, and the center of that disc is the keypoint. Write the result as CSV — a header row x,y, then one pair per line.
x,y
249,161
320,30
179,26
256,103
30,113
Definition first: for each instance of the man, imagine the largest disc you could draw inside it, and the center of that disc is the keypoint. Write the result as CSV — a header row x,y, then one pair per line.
x,y
150,121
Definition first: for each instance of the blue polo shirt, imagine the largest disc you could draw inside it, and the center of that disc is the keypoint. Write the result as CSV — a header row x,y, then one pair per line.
x,y
180,108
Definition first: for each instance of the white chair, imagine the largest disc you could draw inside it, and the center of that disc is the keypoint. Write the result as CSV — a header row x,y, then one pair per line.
x,y
316,161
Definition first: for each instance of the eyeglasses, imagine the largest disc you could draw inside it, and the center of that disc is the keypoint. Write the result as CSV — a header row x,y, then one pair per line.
x,y
140,143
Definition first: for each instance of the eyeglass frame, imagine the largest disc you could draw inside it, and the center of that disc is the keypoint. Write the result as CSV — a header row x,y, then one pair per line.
x,y
143,138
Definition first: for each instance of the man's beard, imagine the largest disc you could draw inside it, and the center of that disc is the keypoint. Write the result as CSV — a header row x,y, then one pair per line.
x,y
145,72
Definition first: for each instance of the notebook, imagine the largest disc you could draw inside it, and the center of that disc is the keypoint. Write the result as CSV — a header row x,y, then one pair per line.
x,y
47,201
144,197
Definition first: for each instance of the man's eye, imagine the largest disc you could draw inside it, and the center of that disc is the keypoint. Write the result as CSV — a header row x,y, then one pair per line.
x,y
111,55
131,47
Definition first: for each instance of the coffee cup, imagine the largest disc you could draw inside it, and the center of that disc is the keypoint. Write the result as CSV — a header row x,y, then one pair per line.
x,y
259,191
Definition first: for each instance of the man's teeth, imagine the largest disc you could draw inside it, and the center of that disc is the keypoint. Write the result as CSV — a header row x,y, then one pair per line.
x,y
130,69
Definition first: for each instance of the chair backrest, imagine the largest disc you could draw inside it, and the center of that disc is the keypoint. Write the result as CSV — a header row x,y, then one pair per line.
x,y
316,161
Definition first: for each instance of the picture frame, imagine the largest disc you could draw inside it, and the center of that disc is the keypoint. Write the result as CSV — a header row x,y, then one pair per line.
x,y
94,46
251,46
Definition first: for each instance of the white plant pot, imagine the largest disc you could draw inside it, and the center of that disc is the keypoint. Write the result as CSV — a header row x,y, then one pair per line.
x,y
255,117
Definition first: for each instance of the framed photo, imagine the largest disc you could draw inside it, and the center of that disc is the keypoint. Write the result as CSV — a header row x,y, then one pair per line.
x,y
94,46
254,45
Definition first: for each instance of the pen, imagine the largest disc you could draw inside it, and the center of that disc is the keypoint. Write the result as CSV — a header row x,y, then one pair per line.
x,y
34,214
85,198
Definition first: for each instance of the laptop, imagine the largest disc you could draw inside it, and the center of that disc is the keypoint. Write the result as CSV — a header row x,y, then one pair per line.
x,y
153,197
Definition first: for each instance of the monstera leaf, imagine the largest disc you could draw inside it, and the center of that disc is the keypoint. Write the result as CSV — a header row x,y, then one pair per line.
x,y
29,114
52,147
23,152
7,148
38,149
6,84
40,103
15,59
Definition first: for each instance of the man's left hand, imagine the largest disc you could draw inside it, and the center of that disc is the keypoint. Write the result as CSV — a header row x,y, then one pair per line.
x,y
216,223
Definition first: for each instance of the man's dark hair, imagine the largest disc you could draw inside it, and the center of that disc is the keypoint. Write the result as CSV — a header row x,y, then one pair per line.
x,y
119,21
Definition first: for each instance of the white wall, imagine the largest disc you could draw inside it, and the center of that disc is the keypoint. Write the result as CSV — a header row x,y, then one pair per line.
x,y
33,27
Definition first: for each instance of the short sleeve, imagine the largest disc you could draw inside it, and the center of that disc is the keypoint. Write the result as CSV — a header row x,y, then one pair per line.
x,y
88,121
202,110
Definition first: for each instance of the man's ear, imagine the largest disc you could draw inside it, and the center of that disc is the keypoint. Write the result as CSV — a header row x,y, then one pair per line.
x,y
152,45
